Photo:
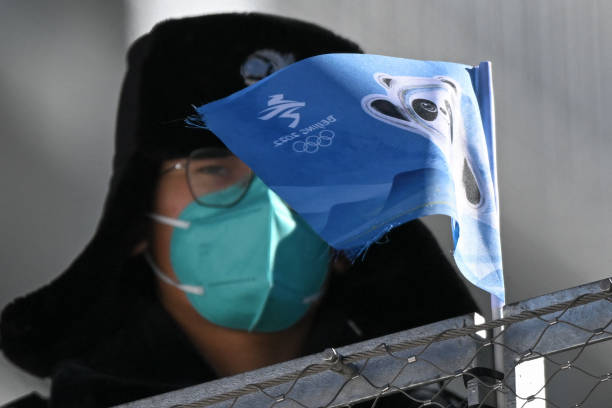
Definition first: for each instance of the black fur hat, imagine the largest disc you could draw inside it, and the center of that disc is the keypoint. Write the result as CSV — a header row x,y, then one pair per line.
x,y
180,63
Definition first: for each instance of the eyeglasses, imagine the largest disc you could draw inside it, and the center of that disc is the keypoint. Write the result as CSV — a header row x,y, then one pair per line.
x,y
216,177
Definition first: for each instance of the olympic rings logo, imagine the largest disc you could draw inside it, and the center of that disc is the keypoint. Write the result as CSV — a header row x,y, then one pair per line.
x,y
312,143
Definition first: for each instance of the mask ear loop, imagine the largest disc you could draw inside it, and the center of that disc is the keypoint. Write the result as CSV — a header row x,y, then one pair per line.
x,y
173,222
196,290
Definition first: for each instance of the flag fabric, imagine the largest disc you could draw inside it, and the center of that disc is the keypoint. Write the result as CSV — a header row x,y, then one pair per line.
x,y
358,144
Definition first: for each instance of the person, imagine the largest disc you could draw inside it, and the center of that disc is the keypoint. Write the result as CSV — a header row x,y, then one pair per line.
x,y
123,322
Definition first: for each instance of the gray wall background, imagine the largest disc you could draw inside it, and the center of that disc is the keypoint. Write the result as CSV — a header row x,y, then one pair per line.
x,y
62,62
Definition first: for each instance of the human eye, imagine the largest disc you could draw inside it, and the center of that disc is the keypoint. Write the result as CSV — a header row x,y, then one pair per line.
x,y
211,170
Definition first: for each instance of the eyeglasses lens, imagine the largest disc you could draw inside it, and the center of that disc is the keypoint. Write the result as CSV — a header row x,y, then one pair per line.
x,y
217,177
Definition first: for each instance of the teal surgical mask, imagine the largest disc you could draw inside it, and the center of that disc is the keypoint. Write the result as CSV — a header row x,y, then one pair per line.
x,y
255,266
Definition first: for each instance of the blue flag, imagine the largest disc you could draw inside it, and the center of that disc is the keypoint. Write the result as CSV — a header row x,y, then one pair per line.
x,y
359,144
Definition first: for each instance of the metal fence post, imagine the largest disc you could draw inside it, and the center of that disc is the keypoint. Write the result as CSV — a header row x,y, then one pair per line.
x,y
497,312
528,343
481,379
530,381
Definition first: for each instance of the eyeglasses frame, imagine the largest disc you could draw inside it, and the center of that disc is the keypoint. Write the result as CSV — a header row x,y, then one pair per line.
x,y
185,166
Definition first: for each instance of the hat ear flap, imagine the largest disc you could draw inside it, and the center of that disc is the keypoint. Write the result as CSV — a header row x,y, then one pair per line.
x,y
68,317
128,203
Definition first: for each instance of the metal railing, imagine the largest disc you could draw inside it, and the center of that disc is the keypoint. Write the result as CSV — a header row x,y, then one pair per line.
x,y
459,362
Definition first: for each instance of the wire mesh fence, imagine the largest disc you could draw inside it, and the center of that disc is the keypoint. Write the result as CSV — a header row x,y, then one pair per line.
x,y
462,362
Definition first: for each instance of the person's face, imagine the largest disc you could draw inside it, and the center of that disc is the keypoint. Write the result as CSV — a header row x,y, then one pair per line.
x,y
183,181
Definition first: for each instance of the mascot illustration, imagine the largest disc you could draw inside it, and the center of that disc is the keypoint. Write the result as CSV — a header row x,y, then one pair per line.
x,y
430,107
